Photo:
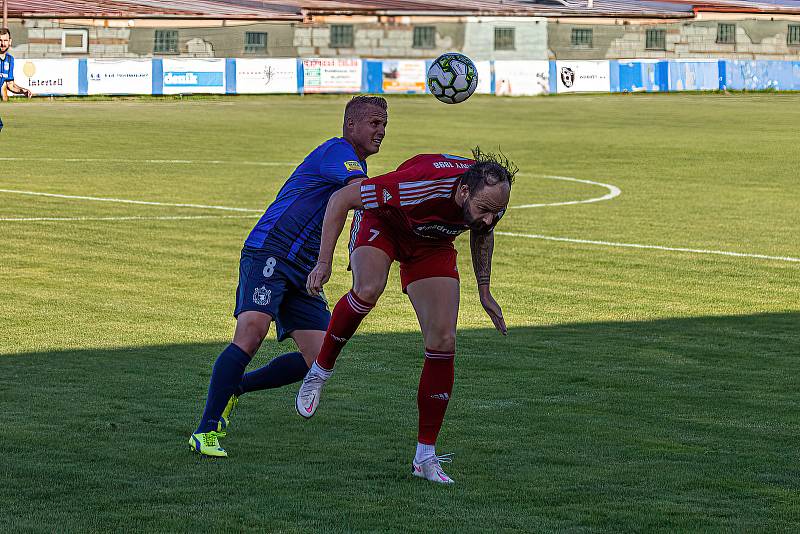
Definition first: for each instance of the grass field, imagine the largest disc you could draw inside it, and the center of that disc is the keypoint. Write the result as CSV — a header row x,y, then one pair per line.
x,y
639,389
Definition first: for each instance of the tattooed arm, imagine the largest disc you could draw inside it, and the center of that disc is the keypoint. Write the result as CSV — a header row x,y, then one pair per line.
x,y
482,246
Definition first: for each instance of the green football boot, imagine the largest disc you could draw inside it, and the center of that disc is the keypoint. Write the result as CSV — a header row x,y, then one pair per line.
x,y
207,444
225,418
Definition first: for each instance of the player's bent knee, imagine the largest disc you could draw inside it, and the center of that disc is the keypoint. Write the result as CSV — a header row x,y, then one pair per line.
x,y
444,342
369,291
251,329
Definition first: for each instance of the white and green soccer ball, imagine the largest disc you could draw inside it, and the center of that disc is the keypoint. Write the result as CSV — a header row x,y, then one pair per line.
x,y
452,78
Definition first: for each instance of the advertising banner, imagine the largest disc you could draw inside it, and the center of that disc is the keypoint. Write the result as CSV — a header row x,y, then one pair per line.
x,y
521,78
583,76
47,76
404,76
119,76
194,76
694,75
755,75
331,75
266,75
642,75
484,77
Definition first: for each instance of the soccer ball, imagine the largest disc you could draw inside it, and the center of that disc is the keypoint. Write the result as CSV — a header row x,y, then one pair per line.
x,y
452,78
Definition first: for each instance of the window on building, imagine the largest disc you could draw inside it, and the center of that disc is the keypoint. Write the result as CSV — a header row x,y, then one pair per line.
x,y
793,35
166,42
581,38
342,36
656,40
726,33
255,42
424,37
75,41
504,39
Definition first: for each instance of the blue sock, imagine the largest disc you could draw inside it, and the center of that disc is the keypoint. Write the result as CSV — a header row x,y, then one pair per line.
x,y
225,376
284,369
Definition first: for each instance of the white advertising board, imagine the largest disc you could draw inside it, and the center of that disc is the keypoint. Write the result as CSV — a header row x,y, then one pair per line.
x,y
583,76
119,76
47,76
404,76
194,76
331,75
266,75
521,77
484,77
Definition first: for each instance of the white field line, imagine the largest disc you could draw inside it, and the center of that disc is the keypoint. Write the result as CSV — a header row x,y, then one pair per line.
x,y
175,161
131,218
653,247
613,191
611,194
125,201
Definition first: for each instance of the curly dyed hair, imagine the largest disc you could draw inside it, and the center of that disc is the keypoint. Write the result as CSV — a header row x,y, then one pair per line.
x,y
489,169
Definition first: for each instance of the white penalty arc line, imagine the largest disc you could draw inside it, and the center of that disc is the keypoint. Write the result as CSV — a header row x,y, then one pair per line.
x,y
227,208
125,201
652,247
613,191
155,161
130,218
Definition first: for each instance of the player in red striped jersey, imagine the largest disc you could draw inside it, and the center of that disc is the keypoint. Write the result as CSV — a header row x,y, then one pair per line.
x,y
413,215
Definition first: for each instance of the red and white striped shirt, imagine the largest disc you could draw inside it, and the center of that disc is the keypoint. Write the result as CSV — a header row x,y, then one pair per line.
x,y
419,196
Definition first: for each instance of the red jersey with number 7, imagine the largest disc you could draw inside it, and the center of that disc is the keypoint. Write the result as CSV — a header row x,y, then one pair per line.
x,y
418,198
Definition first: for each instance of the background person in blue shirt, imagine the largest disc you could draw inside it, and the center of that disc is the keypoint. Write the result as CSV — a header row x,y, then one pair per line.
x,y
7,70
276,258
7,67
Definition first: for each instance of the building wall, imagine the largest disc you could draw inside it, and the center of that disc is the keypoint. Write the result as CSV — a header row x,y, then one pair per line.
x,y
755,39
392,37
373,37
41,38
530,38
377,38
219,41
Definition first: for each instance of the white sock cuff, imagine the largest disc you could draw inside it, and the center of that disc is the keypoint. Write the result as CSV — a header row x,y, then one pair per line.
x,y
321,371
424,452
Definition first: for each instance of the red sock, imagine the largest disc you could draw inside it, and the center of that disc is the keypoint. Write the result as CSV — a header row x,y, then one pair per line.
x,y
435,387
347,315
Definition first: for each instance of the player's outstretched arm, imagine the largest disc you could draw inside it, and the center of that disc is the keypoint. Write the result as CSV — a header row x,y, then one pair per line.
x,y
344,200
482,246
14,88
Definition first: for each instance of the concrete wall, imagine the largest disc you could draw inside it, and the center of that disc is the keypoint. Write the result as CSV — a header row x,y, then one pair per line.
x,y
41,38
530,38
378,39
374,37
392,37
755,39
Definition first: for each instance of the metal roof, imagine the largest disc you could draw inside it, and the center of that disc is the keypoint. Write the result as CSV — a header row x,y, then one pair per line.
x,y
229,9
300,9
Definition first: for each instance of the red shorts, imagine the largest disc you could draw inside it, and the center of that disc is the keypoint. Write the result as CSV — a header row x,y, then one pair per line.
x,y
419,257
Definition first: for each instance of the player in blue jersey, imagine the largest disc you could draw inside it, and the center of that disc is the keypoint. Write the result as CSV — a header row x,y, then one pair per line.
x,y
7,67
277,257
7,70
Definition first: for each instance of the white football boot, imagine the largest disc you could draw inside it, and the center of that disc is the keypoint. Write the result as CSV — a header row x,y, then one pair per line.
x,y
431,469
309,394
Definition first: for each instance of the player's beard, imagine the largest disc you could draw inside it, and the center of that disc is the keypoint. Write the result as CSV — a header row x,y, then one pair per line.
x,y
472,221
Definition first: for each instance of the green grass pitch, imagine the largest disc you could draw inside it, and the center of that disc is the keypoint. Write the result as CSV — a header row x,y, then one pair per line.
x,y
639,389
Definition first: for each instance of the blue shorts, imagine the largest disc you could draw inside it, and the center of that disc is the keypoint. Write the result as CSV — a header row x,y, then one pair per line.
x,y
270,284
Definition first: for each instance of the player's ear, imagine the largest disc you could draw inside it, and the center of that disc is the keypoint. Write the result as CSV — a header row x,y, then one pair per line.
x,y
463,192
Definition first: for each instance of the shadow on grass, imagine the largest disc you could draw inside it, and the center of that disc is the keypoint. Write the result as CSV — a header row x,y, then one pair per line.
x,y
670,424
